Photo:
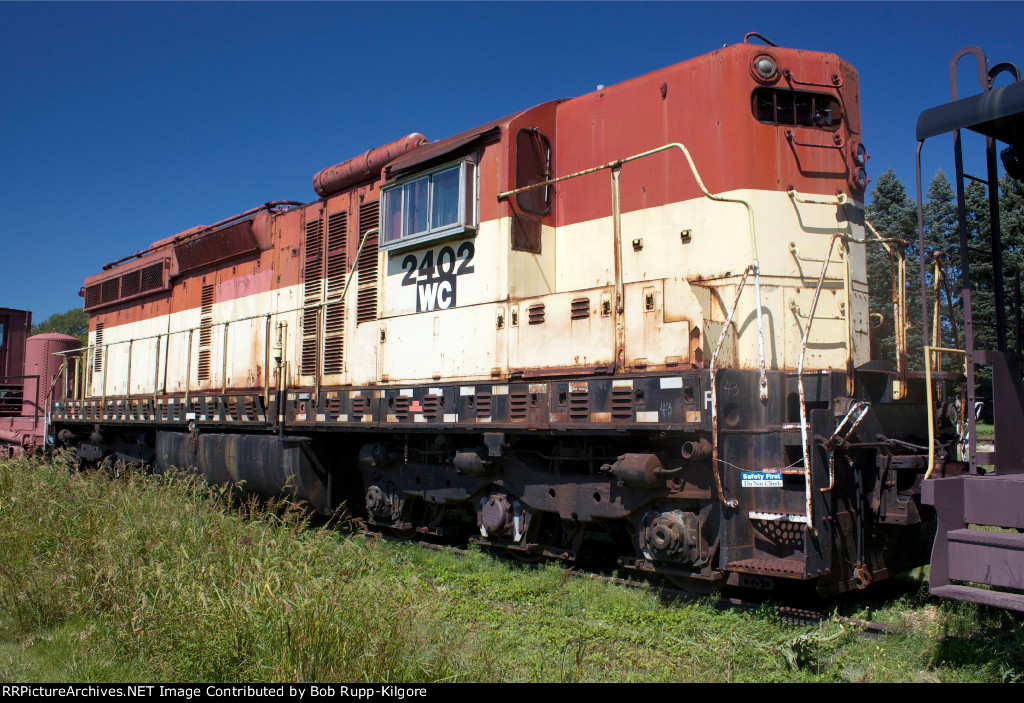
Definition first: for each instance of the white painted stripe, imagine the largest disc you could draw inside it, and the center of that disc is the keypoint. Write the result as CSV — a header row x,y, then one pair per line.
x,y
622,383
435,391
499,390
343,418
320,417
451,417
467,390
418,418
647,416
538,388
406,393
672,382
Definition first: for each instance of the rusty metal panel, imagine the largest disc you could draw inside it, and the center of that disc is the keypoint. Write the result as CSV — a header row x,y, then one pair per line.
x,y
217,246
526,233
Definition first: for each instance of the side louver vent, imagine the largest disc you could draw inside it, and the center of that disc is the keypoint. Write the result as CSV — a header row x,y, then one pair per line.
x,y
206,333
483,404
518,404
366,297
622,403
313,291
535,313
337,260
579,405
580,308
97,359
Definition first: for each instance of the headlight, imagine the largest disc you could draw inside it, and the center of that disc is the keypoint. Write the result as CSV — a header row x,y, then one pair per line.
x,y
860,154
860,179
764,67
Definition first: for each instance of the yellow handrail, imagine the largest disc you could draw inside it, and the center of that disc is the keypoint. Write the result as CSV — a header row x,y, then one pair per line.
x,y
931,408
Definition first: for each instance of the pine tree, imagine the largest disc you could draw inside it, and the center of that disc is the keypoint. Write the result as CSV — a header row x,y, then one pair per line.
x,y
942,239
894,217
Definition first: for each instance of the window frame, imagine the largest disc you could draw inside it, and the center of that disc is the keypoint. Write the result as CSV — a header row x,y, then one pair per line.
x,y
837,114
548,190
468,188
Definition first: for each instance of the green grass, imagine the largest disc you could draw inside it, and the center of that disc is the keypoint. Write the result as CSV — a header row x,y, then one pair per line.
x,y
985,430
164,578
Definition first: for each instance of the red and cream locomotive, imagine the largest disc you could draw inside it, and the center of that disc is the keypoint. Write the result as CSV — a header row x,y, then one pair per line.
x,y
641,312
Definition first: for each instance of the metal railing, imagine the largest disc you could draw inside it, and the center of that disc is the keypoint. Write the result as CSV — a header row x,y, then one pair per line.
x,y
928,351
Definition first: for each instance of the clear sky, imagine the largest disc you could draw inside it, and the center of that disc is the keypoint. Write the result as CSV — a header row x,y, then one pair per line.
x,y
124,123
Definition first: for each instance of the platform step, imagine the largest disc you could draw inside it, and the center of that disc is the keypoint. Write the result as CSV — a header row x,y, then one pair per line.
x,y
998,599
986,556
769,566
988,538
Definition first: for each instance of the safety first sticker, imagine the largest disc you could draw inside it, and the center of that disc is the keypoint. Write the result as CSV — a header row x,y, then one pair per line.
x,y
761,479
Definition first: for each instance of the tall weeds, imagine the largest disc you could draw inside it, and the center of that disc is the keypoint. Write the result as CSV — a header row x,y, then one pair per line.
x,y
163,565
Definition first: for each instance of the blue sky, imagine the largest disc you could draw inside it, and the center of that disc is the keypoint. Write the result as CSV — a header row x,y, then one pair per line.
x,y
124,123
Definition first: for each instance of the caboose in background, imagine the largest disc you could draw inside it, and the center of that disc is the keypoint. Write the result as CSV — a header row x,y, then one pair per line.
x,y
642,312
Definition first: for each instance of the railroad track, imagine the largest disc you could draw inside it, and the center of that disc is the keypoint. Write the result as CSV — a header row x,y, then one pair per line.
x,y
791,614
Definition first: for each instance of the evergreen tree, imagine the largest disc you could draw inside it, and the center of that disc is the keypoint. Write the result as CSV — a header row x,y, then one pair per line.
x,y
942,239
894,217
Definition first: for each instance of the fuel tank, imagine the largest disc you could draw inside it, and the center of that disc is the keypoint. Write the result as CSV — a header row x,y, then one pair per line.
x,y
264,465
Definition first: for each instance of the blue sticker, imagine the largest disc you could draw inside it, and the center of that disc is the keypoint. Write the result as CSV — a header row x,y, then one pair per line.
x,y
761,479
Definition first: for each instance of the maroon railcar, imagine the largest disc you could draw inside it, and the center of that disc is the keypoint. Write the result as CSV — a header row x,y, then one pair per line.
x,y
33,373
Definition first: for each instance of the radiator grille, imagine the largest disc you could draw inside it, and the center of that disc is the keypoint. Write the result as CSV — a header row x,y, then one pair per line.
x,y
92,296
110,290
131,283
152,277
